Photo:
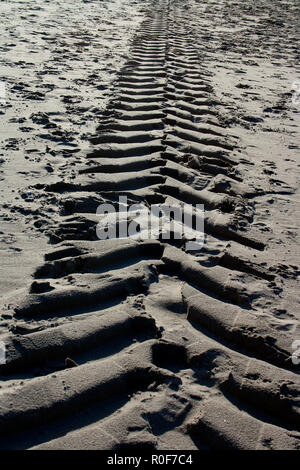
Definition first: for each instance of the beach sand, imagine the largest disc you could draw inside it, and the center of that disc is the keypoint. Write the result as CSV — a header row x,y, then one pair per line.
x,y
146,344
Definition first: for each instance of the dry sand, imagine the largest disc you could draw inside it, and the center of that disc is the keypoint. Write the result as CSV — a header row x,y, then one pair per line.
x,y
124,344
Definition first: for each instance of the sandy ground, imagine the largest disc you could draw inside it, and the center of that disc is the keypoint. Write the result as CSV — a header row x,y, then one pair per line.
x,y
122,344
59,60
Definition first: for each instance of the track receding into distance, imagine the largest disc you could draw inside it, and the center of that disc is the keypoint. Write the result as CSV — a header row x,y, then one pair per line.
x,y
123,343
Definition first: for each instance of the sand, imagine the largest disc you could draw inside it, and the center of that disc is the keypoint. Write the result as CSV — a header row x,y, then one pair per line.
x,y
146,344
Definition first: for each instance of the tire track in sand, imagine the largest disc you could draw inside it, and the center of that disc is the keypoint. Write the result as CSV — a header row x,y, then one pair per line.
x,y
171,348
